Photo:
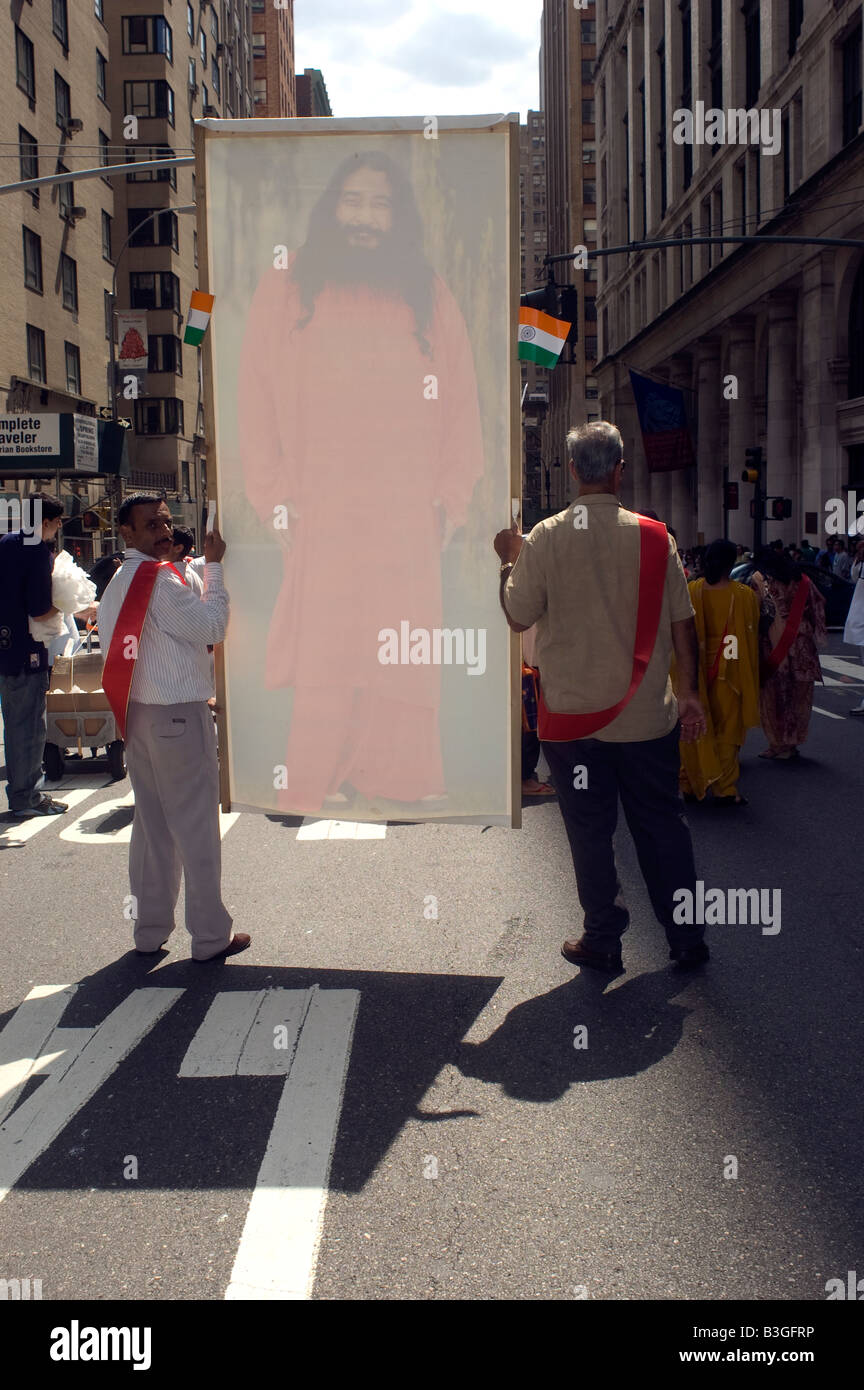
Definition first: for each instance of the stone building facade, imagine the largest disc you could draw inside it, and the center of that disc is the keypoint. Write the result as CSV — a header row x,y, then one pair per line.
x,y
767,342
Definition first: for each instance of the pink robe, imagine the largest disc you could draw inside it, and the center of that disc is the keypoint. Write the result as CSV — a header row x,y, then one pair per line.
x,y
338,418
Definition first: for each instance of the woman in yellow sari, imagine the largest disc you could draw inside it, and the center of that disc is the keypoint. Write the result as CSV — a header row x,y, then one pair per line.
x,y
727,624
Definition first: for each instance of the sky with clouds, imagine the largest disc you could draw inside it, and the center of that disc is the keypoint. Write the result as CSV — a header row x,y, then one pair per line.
x,y
422,57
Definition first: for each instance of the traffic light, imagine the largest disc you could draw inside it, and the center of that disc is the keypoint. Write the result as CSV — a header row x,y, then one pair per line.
x,y
730,497
93,520
545,299
569,311
781,508
754,465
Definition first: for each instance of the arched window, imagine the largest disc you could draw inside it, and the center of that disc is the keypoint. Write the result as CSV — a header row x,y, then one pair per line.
x,y
856,336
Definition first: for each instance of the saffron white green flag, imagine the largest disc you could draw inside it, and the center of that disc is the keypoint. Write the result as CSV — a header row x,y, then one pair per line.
x,y
198,317
541,337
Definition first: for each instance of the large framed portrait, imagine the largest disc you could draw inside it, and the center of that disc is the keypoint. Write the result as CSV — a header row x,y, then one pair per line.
x,y
361,390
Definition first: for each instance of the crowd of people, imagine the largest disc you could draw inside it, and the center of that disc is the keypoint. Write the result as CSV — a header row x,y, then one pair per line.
x,y
652,718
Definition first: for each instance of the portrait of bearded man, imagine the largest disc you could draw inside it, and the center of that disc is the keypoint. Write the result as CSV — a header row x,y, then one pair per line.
x,y
359,421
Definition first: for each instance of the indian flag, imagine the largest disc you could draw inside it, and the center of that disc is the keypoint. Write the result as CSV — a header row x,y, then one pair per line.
x,y
198,317
541,337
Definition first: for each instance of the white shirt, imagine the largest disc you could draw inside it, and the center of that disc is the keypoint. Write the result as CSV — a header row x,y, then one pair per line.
x,y
173,665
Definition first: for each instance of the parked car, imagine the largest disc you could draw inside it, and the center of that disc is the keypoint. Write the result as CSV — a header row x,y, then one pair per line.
x,y
836,592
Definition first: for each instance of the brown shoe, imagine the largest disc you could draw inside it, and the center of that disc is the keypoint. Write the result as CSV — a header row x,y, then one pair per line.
x,y
239,942
579,954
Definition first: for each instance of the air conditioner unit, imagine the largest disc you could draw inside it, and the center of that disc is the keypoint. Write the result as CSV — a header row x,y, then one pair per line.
x,y
75,213
210,111
73,125
220,49
193,89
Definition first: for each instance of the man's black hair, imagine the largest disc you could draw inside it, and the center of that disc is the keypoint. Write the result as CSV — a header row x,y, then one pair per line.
x,y
51,506
138,499
405,269
719,560
183,536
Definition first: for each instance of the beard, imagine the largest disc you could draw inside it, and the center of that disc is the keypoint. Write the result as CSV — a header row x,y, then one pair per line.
x,y
374,266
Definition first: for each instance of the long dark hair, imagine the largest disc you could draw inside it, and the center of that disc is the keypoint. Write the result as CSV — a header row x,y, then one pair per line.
x,y
719,561
406,272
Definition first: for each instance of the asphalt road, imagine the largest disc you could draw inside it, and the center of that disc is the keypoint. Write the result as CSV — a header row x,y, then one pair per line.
x,y
479,1153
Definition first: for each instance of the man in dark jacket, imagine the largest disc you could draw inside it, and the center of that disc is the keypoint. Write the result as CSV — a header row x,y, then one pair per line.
x,y
26,562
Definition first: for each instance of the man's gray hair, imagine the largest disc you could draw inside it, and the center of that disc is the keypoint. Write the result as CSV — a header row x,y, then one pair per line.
x,y
595,450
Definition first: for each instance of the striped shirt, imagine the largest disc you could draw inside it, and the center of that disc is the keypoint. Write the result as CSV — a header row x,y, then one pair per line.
x,y
173,665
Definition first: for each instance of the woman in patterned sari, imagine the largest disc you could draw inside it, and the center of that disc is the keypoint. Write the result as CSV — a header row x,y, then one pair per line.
x,y
791,631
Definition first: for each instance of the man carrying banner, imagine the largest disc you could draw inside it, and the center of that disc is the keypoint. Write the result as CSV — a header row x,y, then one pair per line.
x,y
155,627
608,594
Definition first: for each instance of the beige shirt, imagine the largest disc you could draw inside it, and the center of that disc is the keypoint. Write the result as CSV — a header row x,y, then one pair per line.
x,y
580,585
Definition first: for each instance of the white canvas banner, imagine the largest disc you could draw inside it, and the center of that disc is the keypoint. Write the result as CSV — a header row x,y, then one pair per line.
x,y
363,372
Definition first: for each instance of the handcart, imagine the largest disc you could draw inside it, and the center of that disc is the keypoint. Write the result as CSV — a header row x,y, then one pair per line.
x,y
79,715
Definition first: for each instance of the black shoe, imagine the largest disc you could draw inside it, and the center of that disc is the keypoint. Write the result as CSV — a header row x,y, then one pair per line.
x,y
46,807
691,956
579,954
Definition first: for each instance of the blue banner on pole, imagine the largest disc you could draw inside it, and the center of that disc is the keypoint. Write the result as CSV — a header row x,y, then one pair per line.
x,y
663,422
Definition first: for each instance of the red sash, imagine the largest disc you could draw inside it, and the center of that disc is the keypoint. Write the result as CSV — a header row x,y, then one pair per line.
x,y
793,622
119,667
653,557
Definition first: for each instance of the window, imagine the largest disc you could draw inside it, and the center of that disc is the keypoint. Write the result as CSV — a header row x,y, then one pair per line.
x,y
159,415
62,101
69,278
715,56
146,153
36,354
260,89
101,76
108,310
754,195
214,25
154,231
65,193
852,85
164,354
148,33
752,55
192,82
589,191
202,45
591,349
589,31
154,290
194,247
105,153
190,22
106,235
588,66
32,260
589,154
661,132
706,230
73,368
97,10
214,74
686,83
741,192
796,20
856,337
28,159
588,113
259,45
205,95
60,22
154,99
